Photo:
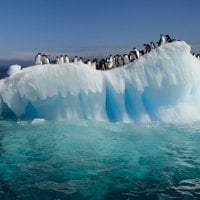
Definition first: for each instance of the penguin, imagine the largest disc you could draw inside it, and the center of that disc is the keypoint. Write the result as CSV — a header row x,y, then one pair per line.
x,y
94,63
75,59
81,60
61,60
57,60
109,62
102,65
114,61
97,65
153,46
53,62
162,40
45,59
38,59
126,59
168,39
136,52
89,62
131,56
147,48
66,59
120,61
198,56
142,52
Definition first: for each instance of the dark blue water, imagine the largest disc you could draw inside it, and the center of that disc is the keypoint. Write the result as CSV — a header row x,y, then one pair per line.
x,y
89,160
3,71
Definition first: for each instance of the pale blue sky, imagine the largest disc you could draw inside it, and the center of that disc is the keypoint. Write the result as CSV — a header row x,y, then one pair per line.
x,y
92,27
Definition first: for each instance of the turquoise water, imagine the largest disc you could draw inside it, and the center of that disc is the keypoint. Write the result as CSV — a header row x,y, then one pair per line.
x,y
96,160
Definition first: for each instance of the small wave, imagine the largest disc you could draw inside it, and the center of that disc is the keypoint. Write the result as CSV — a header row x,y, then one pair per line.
x,y
190,187
38,121
58,187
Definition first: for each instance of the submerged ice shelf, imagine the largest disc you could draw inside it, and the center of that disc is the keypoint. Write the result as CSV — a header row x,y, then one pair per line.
x,y
162,85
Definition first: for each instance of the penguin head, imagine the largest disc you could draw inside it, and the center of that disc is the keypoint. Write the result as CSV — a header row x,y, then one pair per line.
x,y
167,36
39,54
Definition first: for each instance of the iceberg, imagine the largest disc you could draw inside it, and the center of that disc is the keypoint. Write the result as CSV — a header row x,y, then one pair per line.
x,y
14,69
163,85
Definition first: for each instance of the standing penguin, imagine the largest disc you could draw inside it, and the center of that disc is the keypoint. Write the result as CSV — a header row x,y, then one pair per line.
x,y
38,59
162,40
102,64
120,60
109,62
94,63
126,59
89,62
75,59
61,60
153,46
81,60
57,60
169,39
131,56
136,52
147,48
66,59
45,59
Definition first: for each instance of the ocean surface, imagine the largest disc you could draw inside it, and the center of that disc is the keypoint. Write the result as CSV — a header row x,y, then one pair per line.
x,y
95,160
3,71
71,132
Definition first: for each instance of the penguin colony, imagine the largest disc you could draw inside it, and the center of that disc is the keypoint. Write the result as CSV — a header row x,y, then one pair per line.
x,y
196,55
109,62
